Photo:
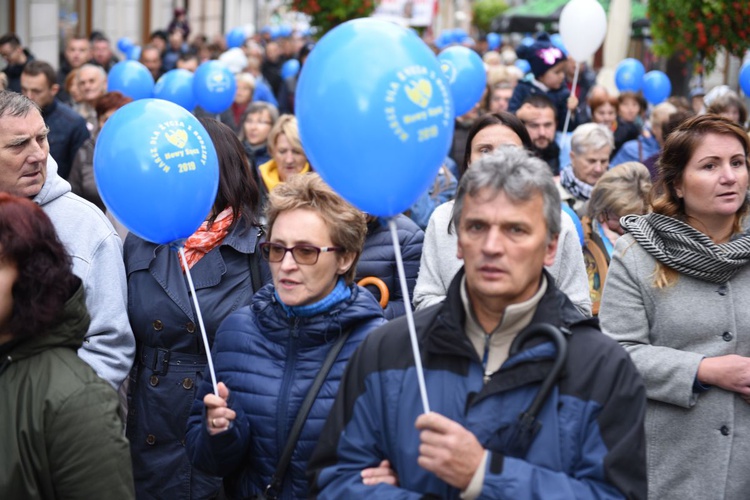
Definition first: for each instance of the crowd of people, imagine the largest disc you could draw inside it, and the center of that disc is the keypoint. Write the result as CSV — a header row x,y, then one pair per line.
x,y
587,277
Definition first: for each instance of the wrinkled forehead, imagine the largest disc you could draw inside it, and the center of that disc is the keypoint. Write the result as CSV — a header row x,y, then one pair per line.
x,y
30,124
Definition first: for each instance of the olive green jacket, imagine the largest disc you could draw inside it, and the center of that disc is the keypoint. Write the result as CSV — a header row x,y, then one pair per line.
x,y
61,435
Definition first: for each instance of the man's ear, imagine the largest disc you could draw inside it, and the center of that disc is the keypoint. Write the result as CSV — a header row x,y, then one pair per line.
x,y
551,251
55,88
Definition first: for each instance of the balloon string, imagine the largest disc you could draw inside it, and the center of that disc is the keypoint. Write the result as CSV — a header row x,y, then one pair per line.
x,y
409,316
572,93
200,321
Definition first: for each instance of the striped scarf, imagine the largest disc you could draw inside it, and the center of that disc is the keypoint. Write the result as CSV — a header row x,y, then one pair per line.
x,y
687,250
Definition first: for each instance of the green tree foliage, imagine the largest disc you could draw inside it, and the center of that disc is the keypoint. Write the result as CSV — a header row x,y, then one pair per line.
x,y
700,28
484,11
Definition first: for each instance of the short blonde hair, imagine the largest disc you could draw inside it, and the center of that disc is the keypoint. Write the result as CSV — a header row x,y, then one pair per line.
x,y
245,78
622,190
492,58
286,125
347,225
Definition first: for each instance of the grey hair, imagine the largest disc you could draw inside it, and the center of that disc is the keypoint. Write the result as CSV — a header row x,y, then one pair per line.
x,y
15,104
591,136
513,171
96,67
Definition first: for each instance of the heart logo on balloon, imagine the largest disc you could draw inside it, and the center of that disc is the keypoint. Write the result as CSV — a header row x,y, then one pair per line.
x,y
419,92
177,138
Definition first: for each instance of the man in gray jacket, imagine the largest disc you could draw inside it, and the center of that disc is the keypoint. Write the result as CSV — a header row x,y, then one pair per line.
x,y
26,169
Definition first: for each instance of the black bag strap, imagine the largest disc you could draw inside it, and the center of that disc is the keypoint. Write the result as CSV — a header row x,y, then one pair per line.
x,y
286,456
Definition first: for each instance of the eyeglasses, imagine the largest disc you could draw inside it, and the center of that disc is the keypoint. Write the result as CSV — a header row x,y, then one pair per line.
x,y
306,255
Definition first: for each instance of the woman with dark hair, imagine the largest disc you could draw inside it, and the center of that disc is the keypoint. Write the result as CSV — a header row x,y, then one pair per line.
x,y
676,300
495,129
224,263
604,111
268,354
81,176
439,263
256,125
61,434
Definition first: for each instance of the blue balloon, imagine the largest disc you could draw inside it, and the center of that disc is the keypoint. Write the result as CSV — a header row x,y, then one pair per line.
x,y
464,71
656,87
443,40
629,75
176,86
557,41
384,87
214,86
745,79
124,44
576,221
235,38
289,68
523,65
459,35
285,31
493,41
133,53
132,79
156,170
527,41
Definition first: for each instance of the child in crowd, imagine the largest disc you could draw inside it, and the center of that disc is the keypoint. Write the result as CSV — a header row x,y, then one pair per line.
x,y
547,77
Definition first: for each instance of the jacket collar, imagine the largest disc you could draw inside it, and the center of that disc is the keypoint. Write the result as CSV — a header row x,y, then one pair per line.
x,y
446,337
206,273
69,331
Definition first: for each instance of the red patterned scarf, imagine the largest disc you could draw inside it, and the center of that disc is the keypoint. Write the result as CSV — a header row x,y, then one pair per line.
x,y
204,239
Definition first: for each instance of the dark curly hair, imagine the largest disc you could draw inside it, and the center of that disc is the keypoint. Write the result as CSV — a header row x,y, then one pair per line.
x,y
45,270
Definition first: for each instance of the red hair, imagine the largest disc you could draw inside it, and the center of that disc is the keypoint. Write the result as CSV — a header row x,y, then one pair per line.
x,y
45,271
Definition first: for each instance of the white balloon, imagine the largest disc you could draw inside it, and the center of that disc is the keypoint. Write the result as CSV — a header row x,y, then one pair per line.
x,y
583,26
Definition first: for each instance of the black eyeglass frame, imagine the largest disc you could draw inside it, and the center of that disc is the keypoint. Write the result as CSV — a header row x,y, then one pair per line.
x,y
265,251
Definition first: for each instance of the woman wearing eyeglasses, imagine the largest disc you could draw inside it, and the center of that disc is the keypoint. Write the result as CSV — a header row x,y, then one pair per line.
x,y
257,122
267,355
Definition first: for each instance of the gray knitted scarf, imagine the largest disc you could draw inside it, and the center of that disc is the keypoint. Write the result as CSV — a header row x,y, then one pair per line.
x,y
687,250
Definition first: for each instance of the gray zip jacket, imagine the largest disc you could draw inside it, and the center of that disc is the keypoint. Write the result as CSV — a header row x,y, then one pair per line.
x,y
96,250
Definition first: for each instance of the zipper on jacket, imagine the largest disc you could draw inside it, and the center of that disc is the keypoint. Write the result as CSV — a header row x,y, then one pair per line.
x,y
485,358
282,410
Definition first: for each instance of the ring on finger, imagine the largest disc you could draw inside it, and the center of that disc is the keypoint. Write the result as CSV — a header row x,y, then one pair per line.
x,y
213,422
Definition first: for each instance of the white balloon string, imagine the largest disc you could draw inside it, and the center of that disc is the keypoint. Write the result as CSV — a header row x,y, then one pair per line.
x,y
409,316
572,93
200,321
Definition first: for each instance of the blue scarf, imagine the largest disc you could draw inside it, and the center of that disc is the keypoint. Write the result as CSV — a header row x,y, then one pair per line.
x,y
340,293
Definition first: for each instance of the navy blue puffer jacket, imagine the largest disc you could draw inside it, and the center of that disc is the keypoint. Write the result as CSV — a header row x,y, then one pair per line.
x,y
268,361
379,260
